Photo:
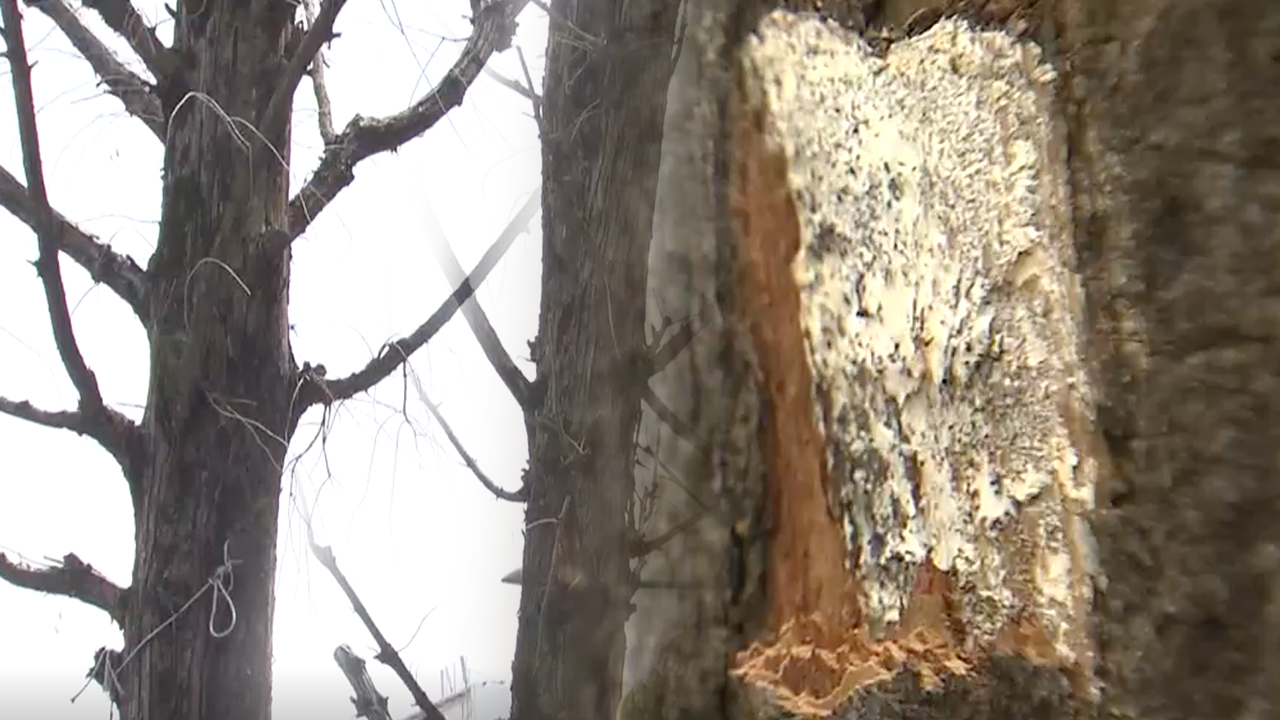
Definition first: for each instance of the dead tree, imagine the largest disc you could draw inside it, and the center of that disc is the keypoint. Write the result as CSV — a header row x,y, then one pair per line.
x,y
203,467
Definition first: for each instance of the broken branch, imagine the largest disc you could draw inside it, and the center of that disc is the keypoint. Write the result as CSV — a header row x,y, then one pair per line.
x,y
122,17
318,390
104,265
494,26
73,578
387,655
137,96
281,104
370,703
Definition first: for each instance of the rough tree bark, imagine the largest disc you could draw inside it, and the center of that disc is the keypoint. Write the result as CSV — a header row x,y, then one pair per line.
x,y
608,65
225,395
978,290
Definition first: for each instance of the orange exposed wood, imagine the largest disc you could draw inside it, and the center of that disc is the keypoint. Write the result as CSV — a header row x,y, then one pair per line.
x,y
807,553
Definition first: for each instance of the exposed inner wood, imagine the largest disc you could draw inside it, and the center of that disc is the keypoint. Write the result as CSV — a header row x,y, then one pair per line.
x,y
818,654
807,552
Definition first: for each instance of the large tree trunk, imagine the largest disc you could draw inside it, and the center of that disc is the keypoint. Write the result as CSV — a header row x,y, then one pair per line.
x,y
608,65
953,289
222,377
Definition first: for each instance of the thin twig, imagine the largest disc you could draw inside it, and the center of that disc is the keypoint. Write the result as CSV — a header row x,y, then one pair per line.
x,y
518,496
73,578
324,109
321,391
281,103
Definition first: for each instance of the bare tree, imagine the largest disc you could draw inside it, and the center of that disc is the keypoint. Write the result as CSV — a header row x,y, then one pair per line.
x,y
203,466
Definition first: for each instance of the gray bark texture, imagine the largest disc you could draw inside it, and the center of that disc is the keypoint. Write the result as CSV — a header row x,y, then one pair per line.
x,y
977,419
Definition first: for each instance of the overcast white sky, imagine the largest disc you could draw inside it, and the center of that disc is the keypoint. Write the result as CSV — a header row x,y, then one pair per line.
x,y
415,533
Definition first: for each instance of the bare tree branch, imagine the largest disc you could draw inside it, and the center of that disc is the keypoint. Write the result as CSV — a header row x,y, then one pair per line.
x,y
122,17
47,263
281,104
317,390
520,495
73,578
387,655
104,265
324,109
517,384
115,432
138,98
494,26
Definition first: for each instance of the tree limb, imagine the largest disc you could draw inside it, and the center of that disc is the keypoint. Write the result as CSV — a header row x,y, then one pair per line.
x,y
318,390
387,655
494,26
104,265
122,17
324,109
47,263
73,578
517,384
370,703
520,495
133,91
117,434
281,103
108,427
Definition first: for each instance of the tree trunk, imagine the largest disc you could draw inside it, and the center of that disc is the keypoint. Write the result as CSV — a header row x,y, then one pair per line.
x,y
957,279
606,80
222,378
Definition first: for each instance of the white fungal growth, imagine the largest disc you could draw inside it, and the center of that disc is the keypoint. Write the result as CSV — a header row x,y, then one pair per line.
x,y
940,311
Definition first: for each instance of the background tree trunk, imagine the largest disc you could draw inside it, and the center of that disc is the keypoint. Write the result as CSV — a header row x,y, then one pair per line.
x,y
222,377
952,290
608,66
